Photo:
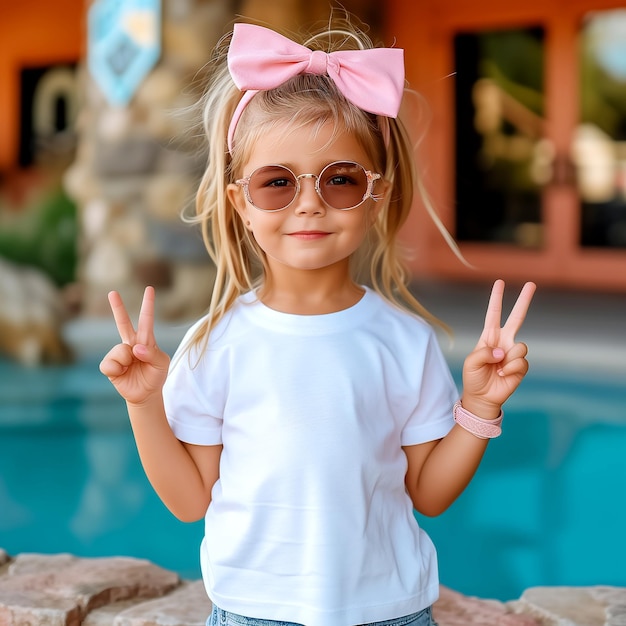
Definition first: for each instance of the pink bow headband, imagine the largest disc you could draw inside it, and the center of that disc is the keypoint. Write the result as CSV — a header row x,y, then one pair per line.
x,y
261,59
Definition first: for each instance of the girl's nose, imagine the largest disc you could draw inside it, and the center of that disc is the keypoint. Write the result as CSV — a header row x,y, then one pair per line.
x,y
308,201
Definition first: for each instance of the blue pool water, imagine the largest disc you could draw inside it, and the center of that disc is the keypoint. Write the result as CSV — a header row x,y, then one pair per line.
x,y
546,507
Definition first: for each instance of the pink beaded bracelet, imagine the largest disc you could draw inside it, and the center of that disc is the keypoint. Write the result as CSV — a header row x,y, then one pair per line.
x,y
479,427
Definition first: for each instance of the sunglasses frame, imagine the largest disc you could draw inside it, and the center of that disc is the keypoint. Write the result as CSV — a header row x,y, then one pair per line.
x,y
372,177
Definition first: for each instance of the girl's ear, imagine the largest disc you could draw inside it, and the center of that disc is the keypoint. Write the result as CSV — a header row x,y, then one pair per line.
x,y
237,198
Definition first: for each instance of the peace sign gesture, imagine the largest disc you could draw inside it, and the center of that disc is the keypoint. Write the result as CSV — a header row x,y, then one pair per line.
x,y
137,368
497,365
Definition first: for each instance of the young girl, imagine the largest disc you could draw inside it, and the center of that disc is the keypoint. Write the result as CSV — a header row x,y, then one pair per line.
x,y
307,414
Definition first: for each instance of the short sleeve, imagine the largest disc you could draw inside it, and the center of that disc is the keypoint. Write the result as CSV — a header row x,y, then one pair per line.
x,y
432,416
193,395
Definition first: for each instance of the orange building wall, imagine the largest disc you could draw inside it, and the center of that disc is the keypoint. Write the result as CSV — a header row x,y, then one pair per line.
x,y
32,33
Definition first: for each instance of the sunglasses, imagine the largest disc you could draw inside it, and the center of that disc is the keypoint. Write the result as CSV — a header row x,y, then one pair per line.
x,y
341,185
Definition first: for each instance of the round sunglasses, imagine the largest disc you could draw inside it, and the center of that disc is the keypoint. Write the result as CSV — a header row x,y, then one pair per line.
x,y
341,185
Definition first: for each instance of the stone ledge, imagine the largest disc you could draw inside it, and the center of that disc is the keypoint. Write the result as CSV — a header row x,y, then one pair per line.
x,y
63,590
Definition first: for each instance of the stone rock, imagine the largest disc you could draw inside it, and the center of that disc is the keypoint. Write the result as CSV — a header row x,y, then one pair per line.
x,y
580,606
167,195
183,160
4,557
188,605
280,13
114,123
62,589
190,293
37,609
123,192
79,181
107,267
159,123
108,615
614,599
455,609
183,50
96,213
32,311
178,9
159,89
129,231
130,156
188,42
155,272
177,242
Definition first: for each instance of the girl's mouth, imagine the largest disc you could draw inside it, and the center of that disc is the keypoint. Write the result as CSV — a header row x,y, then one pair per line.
x,y
309,234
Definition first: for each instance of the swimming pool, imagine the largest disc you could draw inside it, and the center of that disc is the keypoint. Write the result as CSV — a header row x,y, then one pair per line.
x,y
547,506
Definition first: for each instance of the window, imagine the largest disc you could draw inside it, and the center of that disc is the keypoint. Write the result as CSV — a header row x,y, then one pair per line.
x,y
502,159
599,145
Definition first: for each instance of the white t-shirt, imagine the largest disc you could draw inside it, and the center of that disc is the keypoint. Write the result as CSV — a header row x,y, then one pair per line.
x,y
310,521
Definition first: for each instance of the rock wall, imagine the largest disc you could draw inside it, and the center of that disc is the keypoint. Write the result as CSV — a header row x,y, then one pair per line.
x,y
137,168
63,590
32,312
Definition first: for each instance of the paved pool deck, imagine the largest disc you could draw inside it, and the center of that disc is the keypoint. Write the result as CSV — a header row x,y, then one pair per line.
x,y
567,329
564,328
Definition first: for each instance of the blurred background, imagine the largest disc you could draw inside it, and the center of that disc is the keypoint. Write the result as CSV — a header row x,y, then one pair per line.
x,y
521,137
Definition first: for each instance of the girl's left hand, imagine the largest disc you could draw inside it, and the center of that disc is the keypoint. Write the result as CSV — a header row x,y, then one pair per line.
x,y
497,365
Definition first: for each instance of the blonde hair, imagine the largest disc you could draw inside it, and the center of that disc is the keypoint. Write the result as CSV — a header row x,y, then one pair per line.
x,y
303,101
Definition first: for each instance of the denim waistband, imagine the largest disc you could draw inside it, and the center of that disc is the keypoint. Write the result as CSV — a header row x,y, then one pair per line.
x,y
219,617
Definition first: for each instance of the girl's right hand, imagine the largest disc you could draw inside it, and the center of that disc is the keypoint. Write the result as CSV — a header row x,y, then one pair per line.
x,y
137,368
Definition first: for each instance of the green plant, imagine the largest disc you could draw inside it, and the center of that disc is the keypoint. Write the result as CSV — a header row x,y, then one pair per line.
x,y
44,236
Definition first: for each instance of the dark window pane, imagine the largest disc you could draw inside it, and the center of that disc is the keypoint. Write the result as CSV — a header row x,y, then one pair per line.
x,y
502,160
599,149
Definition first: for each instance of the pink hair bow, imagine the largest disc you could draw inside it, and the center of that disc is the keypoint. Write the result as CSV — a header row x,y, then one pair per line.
x,y
261,59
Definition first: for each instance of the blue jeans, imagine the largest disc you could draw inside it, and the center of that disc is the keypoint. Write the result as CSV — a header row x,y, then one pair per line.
x,y
223,618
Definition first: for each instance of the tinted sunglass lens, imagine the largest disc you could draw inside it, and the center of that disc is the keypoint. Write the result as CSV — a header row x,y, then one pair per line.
x,y
343,185
272,187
